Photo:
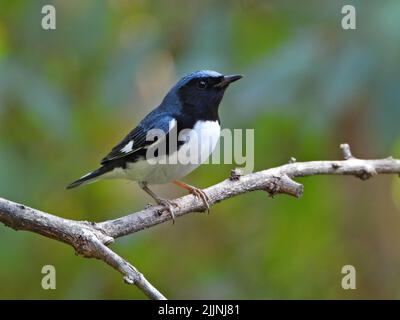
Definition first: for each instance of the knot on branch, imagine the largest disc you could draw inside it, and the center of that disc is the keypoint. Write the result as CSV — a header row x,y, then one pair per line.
x,y
236,174
272,186
366,173
129,280
335,166
283,184
134,275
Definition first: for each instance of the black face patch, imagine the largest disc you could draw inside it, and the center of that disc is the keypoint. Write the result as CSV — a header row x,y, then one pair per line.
x,y
200,97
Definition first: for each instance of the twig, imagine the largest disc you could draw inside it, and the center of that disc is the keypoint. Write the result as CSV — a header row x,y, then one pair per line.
x,y
91,239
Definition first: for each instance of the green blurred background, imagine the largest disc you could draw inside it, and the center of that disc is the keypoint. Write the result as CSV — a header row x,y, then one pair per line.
x,y
68,95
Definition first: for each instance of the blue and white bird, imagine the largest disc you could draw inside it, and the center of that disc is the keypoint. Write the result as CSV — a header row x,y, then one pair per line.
x,y
191,104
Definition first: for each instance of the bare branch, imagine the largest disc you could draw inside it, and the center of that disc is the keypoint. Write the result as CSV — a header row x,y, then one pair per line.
x,y
131,274
275,181
91,239
84,237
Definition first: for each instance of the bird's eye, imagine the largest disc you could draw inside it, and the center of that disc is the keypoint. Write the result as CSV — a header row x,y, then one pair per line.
x,y
202,84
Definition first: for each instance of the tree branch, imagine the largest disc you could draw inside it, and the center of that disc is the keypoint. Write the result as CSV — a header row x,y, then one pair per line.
x,y
90,239
84,237
275,181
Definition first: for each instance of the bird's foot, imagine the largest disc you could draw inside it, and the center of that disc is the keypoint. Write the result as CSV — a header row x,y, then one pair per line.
x,y
198,193
169,206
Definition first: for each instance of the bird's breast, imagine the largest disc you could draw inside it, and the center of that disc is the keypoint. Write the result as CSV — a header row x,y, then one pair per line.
x,y
199,142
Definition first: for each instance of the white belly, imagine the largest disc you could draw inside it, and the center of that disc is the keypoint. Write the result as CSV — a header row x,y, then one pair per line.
x,y
201,142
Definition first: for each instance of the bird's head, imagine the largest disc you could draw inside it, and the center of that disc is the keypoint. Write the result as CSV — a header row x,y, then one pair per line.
x,y
201,92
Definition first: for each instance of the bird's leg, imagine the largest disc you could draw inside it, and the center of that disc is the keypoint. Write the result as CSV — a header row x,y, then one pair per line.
x,y
169,205
196,192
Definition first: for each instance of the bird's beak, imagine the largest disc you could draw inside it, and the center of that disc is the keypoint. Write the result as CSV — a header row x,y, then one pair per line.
x,y
227,80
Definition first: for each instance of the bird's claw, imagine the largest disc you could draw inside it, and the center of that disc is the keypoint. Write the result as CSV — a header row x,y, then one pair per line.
x,y
169,206
198,193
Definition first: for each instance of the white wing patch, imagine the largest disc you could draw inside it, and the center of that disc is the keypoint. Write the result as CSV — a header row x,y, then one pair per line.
x,y
86,175
172,124
128,147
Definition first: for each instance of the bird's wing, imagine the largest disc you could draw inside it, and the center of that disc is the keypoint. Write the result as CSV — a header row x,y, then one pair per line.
x,y
136,139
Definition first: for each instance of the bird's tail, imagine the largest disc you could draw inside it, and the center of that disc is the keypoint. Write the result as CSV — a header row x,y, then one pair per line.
x,y
88,178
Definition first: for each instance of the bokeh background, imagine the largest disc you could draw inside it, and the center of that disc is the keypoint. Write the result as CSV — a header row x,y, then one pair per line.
x,y
68,95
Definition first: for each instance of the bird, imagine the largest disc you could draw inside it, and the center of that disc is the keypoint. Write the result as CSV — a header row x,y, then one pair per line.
x,y
191,108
